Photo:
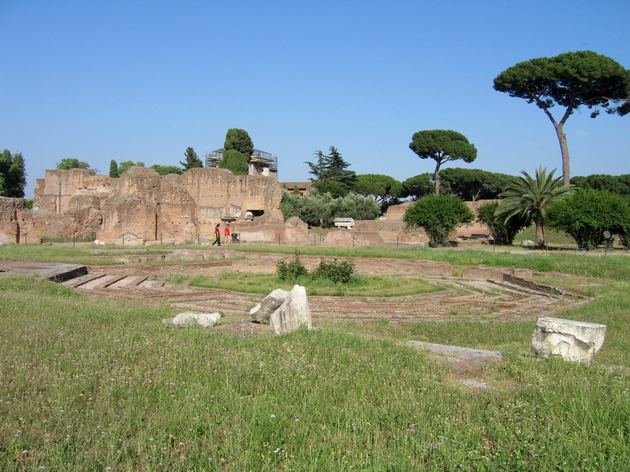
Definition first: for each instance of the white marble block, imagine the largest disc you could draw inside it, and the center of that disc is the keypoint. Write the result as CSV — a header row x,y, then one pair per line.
x,y
575,341
293,314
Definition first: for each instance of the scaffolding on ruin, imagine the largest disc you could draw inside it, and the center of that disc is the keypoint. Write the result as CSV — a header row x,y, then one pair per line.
x,y
259,159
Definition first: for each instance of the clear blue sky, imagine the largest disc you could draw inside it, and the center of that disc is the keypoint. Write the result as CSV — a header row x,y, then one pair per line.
x,y
142,80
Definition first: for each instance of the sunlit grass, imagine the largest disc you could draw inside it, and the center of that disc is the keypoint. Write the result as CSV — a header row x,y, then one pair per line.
x,y
80,253
613,265
358,286
101,385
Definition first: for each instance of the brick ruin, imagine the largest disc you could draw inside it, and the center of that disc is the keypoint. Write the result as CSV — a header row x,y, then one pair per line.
x,y
144,207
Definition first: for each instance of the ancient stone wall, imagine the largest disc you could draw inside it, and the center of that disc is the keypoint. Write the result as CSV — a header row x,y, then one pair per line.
x,y
8,220
221,194
293,232
376,233
142,205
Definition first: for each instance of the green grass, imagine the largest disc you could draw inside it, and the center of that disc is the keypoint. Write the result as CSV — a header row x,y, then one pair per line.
x,y
79,253
612,264
100,385
615,264
358,286
91,384
553,238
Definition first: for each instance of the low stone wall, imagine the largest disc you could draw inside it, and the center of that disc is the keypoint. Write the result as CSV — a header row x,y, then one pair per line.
x,y
395,213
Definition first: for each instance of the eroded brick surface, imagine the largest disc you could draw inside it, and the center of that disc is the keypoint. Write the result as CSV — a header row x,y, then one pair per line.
x,y
487,297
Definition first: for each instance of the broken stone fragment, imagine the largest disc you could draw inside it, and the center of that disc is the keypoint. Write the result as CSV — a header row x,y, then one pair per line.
x,y
293,314
576,341
262,312
190,319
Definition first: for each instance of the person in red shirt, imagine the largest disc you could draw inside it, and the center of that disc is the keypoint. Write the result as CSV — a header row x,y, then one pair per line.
x,y
227,233
217,235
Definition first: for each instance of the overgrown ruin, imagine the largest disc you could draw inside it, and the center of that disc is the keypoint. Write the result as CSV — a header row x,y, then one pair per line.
x,y
144,207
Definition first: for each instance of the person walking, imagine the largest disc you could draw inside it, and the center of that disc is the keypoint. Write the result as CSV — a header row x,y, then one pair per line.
x,y
217,235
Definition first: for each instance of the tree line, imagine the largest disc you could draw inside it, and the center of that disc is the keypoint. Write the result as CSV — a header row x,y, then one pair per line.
x,y
569,81
591,217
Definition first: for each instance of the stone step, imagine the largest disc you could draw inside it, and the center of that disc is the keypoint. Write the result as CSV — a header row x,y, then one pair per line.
x,y
82,280
128,281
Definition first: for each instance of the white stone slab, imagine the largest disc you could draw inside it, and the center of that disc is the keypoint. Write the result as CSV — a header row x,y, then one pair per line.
x,y
575,341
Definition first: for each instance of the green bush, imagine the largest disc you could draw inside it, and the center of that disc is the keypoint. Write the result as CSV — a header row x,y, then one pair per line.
x,y
320,209
335,271
502,231
587,214
291,270
338,272
439,215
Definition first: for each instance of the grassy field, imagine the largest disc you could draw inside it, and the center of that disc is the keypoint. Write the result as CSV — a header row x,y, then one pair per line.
x,y
92,384
358,286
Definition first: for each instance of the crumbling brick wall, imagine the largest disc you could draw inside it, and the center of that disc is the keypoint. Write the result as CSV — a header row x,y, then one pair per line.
x,y
74,204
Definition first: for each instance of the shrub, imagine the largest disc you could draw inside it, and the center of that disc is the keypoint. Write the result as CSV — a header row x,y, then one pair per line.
x,y
502,231
586,214
439,215
337,272
320,209
291,270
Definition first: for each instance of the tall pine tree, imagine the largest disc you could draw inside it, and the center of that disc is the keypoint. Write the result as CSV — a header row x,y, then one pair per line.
x,y
191,159
330,173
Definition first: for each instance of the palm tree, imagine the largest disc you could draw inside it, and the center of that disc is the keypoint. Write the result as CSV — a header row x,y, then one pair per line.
x,y
530,197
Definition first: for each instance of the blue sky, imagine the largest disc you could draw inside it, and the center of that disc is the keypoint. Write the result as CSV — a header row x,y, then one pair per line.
x,y
143,80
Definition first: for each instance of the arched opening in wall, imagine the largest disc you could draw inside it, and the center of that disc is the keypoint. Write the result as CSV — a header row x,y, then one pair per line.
x,y
251,214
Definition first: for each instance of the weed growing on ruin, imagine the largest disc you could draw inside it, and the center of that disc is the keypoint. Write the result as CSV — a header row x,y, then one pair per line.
x,y
291,270
337,272
176,278
334,271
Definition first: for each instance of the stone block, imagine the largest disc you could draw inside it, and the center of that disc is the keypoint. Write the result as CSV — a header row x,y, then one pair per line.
x,y
191,319
293,314
575,341
263,311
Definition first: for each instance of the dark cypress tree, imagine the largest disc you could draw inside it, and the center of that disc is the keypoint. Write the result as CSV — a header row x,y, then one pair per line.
x,y
113,169
191,159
